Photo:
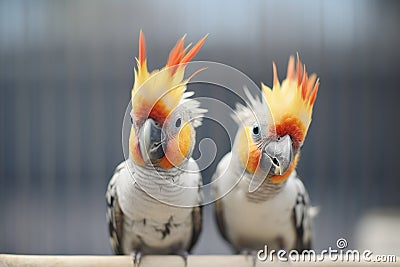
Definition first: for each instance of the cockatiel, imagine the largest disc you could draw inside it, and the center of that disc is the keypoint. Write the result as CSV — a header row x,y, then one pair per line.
x,y
153,197
265,202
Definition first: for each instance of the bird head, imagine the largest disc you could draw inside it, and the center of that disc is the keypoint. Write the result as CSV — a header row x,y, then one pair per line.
x,y
163,116
270,141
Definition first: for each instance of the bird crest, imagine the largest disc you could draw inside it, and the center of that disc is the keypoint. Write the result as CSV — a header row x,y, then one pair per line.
x,y
291,102
155,94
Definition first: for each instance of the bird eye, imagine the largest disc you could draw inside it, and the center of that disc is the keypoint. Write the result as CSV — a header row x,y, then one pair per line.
x,y
178,123
256,130
131,120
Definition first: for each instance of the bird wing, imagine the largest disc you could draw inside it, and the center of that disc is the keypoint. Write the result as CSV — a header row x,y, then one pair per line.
x,y
302,218
219,215
197,218
197,212
114,212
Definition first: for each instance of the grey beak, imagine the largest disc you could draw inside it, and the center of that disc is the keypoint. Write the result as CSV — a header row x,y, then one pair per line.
x,y
275,160
278,155
150,141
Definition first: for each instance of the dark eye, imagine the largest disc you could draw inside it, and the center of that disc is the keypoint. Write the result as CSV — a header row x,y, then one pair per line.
x,y
178,123
131,120
256,130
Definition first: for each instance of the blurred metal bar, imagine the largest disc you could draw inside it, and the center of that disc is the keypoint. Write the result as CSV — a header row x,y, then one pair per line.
x,y
167,261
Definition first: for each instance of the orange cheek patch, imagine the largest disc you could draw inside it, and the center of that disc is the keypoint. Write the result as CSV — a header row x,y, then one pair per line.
x,y
177,148
254,159
249,153
165,163
293,127
172,156
134,148
184,139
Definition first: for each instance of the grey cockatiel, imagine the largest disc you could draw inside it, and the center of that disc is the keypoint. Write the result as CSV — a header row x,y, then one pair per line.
x,y
153,197
266,203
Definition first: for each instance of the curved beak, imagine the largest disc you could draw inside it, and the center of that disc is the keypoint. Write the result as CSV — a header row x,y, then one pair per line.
x,y
150,141
277,156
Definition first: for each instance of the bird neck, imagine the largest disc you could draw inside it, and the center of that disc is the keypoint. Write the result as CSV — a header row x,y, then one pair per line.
x,y
161,184
265,191
157,171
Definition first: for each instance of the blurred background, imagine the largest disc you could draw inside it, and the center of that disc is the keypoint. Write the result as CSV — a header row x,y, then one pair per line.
x,y
66,71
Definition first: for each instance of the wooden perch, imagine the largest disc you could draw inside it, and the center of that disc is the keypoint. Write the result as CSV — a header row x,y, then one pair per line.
x,y
7,260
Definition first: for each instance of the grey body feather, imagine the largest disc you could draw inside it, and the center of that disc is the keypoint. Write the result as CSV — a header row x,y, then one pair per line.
x,y
274,215
139,222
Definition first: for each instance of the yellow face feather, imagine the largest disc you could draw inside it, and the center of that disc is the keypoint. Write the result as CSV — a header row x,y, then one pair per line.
x,y
248,151
291,102
159,92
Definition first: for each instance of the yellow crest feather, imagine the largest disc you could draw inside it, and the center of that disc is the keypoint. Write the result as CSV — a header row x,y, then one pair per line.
x,y
296,95
161,90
